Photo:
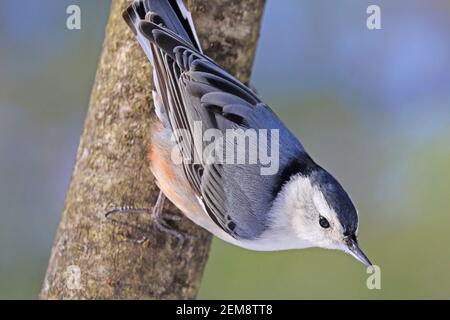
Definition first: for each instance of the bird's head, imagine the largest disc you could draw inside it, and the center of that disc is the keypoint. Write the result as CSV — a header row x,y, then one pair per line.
x,y
321,213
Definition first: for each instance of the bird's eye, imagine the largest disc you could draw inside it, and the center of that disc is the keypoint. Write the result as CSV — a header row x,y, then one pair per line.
x,y
324,223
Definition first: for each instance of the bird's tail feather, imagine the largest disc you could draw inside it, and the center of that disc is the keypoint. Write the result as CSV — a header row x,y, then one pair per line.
x,y
163,17
167,16
172,14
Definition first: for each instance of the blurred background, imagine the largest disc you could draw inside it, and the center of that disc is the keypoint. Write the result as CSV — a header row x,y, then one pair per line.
x,y
371,106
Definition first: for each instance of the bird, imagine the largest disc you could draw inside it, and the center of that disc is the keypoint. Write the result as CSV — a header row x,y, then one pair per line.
x,y
300,205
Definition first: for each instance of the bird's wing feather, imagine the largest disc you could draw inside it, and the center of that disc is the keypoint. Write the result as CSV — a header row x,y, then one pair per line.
x,y
195,89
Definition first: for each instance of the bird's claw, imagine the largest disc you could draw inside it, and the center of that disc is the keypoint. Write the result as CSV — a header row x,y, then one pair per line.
x,y
162,226
160,220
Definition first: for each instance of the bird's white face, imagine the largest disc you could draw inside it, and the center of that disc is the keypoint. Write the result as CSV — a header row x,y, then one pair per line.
x,y
312,219
306,214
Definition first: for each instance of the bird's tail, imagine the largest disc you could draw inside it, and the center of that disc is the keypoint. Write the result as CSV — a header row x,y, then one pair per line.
x,y
172,14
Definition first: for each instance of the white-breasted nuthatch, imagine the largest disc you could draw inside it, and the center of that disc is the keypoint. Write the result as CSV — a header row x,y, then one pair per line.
x,y
299,206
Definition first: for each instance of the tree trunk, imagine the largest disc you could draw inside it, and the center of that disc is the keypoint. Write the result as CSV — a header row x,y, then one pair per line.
x,y
92,257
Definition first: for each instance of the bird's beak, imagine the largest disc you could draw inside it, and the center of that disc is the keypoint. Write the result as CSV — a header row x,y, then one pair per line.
x,y
354,250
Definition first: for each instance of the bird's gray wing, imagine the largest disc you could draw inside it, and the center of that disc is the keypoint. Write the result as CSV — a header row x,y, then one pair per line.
x,y
195,90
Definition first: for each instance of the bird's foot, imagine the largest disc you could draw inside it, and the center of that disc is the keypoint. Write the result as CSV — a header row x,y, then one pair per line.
x,y
160,219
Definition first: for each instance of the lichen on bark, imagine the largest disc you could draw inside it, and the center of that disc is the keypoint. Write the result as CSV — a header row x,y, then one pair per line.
x,y
93,258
